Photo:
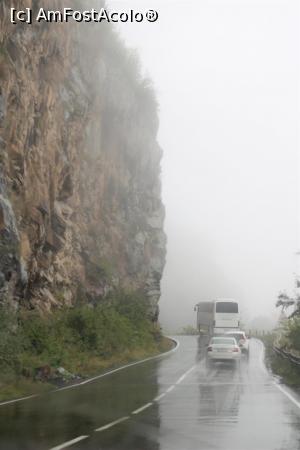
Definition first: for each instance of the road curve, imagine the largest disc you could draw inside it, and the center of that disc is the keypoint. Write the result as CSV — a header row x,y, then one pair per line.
x,y
173,403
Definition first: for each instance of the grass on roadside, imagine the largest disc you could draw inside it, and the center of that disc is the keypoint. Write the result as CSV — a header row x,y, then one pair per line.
x,y
84,340
281,367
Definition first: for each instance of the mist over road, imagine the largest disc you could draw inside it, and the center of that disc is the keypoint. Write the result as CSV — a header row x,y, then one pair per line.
x,y
172,403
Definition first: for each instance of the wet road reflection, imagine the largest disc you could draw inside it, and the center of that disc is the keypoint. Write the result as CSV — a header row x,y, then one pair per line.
x,y
229,408
187,406
58,417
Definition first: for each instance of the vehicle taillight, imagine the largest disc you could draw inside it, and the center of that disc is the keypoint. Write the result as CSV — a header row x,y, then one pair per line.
x,y
235,349
209,349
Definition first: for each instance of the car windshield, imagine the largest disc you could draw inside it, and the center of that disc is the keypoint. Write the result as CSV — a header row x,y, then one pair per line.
x,y
225,341
237,336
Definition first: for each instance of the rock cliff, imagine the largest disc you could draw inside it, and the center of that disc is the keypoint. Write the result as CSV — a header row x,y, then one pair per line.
x,y
80,206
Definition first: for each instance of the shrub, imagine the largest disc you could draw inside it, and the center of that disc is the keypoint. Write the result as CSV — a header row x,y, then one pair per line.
x,y
10,342
67,337
289,372
293,333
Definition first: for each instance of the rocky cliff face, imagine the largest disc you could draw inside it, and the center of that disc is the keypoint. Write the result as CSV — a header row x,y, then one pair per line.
x,y
80,206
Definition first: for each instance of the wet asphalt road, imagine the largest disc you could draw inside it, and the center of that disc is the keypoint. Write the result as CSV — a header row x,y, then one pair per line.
x,y
172,403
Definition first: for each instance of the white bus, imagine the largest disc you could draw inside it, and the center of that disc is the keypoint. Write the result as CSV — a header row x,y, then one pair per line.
x,y
217,316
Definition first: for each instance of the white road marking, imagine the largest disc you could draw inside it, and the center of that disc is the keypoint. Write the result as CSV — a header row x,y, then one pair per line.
x,y
111,424
67,444
121,368
180,379
147,405
160,397
185,375
99,376
170,389
137,411
288,395
17,400
80,438
263,368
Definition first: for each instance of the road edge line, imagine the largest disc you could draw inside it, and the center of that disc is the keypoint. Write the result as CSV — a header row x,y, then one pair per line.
x,y
126,366
68,443
7,402
89,380
279,387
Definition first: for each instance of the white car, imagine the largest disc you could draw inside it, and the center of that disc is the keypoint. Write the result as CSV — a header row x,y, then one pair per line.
x,y
223,348
241,339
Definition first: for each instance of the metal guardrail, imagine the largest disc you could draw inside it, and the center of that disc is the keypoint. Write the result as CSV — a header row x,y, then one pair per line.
x,y
292,358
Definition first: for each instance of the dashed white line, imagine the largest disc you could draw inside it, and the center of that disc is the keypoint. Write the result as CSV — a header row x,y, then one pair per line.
x,y
180,379
170,389
185,375
67,444
137,411
111,424
159,397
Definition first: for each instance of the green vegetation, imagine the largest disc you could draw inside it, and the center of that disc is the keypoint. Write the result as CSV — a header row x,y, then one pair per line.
x,y
84,340
99,270
289,372
292,335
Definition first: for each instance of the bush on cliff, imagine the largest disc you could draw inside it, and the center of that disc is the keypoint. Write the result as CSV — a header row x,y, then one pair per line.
x,y
10,344
82,339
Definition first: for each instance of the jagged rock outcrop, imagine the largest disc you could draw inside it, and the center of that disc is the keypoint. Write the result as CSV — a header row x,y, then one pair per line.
x,y
80,204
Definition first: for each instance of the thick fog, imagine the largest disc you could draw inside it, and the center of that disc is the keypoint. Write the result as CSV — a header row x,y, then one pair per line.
x,y
226,75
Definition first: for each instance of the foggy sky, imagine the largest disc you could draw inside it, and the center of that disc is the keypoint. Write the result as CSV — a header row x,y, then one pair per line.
x,y
226,75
